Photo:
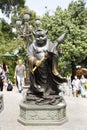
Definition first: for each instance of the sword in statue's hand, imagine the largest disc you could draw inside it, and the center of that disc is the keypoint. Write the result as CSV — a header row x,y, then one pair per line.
x,y
40,62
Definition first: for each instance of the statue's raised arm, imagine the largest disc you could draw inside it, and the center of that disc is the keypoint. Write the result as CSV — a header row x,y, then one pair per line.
x,y
61,38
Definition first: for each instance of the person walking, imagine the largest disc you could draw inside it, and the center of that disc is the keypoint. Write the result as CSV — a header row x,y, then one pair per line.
x,y
1,83
20,75
6,71
76,86
83,81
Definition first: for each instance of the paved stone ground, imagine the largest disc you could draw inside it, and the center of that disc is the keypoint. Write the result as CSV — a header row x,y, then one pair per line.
x,y
76,113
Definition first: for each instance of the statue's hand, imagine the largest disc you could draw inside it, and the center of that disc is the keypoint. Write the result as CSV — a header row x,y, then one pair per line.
x,y
38,63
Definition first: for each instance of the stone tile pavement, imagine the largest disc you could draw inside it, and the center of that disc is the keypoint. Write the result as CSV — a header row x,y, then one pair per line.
x,y
76,113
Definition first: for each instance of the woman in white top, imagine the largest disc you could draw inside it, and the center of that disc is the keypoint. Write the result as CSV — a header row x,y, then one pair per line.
x,y
83,81
76,86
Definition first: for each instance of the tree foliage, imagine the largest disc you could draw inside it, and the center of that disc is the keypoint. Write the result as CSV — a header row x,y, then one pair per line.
x,y
9,42
73,21
7,6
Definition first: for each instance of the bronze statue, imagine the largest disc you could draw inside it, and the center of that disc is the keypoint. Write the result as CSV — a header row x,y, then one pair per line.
x,y
44,77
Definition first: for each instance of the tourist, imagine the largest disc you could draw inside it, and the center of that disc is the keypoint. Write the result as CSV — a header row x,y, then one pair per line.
x,y
5,71
20,74
83,81
76,86
2,77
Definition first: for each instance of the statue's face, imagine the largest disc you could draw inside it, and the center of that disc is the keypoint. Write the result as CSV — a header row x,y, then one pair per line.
x,y
41,37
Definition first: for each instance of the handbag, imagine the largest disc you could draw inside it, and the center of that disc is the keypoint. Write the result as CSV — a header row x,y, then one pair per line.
x,y
86,86
9,87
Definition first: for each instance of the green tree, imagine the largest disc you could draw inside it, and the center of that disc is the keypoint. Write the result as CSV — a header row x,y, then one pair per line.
x,y
7,6
74,21
76,47
8,40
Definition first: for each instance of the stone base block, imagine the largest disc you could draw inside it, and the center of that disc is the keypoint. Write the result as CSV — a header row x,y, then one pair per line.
x,y
42,115
1,102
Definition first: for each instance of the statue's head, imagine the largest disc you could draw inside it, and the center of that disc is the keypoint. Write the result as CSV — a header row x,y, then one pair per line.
x,y
40,36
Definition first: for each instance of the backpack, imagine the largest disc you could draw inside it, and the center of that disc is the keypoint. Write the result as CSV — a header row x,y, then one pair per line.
x,y
9,87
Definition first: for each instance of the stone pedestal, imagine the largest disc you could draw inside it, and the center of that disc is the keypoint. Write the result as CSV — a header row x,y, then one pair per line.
x,y
42,115
1,102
